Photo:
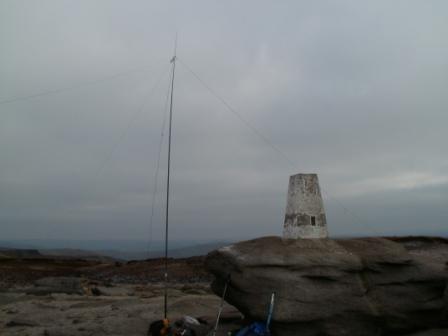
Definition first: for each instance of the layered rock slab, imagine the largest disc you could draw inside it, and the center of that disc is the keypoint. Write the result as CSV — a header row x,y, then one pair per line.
x,y
369,286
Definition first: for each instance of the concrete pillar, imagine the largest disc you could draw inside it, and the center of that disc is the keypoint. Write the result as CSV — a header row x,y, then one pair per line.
x,y
305,214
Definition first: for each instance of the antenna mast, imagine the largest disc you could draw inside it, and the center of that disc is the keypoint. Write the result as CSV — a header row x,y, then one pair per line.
x,y
173,62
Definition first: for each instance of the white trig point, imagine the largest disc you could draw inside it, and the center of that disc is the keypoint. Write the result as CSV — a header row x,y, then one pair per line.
x,y
305,214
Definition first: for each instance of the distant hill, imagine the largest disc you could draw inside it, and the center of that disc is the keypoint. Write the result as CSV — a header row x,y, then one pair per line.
x,y
108,255
196,250
183,252
101,245
16,253
77,253
6,252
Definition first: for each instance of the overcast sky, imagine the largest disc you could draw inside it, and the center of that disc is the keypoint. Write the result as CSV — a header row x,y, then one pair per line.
x,y
356,91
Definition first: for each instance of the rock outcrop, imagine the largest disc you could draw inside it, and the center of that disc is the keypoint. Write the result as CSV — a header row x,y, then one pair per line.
x,y
366,286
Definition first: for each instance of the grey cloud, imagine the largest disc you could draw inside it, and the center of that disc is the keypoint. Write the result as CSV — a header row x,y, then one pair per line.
x,y
354,91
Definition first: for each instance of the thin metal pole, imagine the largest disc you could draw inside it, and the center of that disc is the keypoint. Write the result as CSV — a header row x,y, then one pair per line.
x,y
271,310
221,306
173,61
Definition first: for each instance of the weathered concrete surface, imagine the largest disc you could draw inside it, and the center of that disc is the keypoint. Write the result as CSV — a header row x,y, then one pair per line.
x,y
305,214
370,286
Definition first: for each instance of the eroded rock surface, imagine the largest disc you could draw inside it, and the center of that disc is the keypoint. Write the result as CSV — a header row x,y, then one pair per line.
x,y
369,286
127,310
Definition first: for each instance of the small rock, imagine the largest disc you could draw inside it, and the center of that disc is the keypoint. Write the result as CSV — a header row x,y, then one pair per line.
x,y
11,311
96,291
21,323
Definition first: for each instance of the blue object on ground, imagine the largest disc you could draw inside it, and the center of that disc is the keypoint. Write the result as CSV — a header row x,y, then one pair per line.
x,y
255,329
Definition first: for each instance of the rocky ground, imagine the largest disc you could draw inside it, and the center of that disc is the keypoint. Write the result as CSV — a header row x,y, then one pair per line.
x,y
351,287
339,287
65,297
25,270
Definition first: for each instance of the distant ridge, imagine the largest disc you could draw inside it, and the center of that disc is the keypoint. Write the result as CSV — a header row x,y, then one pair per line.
x,y
7,252
110,254
77,254
182,252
